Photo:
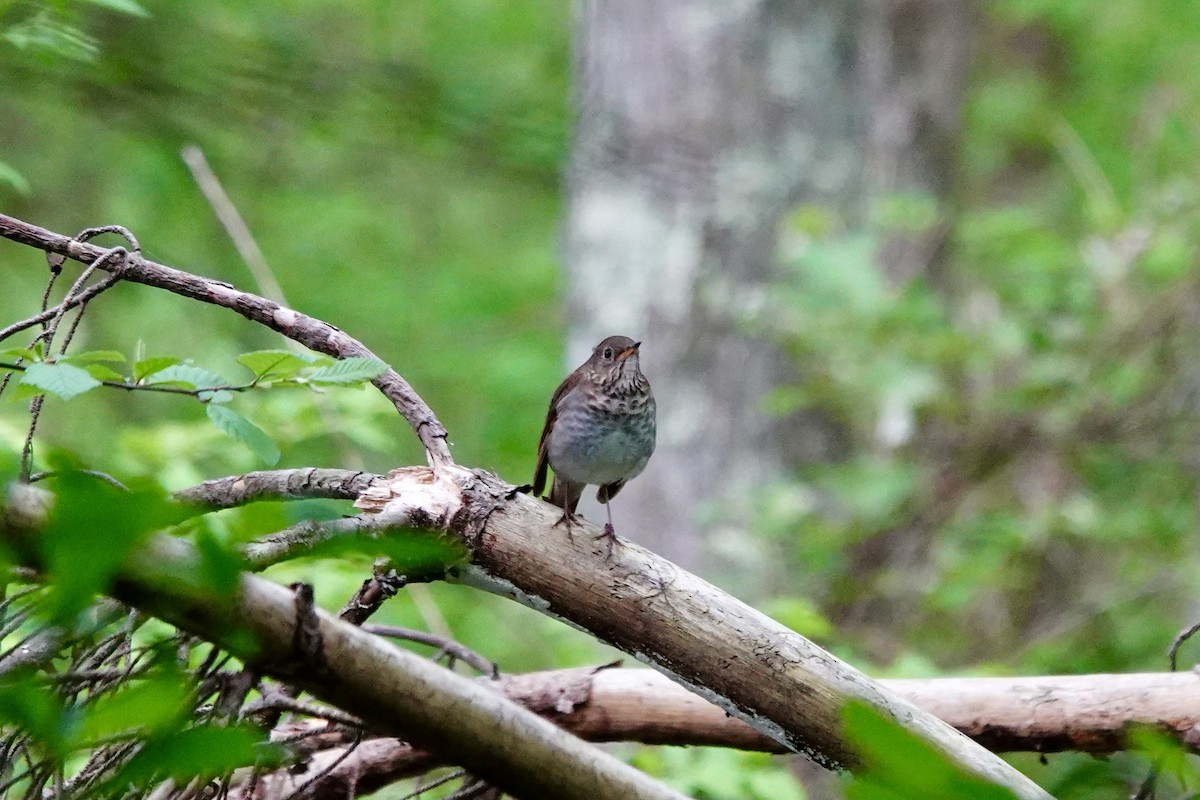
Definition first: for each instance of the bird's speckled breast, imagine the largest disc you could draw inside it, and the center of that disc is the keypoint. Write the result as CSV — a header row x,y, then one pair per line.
x,y
595,445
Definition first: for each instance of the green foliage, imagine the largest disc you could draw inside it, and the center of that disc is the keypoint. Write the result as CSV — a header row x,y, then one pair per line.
x,y
39,713
244,431
154,710
267,365
343,372
52,28
1173,761
206,751
715,774
399,168
1019,487
59,379
160,704
151,720
896,764
64,379
94,527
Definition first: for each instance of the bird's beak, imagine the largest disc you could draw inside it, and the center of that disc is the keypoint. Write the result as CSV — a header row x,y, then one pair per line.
x,y
624,354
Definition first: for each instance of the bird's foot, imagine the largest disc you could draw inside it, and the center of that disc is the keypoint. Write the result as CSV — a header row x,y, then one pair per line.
x,y
610,536
569,519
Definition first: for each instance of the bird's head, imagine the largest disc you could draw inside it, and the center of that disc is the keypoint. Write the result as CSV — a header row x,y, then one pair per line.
x,y
615,361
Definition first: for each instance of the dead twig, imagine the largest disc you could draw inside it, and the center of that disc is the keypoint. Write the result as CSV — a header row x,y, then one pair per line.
x,y
446,647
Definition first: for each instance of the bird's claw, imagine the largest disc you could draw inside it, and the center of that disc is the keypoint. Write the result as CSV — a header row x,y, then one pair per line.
x,y
610,535
570,519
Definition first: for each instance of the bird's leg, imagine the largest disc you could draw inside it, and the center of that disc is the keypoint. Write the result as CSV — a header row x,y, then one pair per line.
x,y
610,533
568,518
565,495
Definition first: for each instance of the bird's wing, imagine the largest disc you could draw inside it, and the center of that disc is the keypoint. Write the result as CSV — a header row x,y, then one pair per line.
x,y
543,456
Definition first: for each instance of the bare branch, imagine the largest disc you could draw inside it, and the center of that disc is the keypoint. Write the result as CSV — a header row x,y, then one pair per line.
x,y
389,688
68,303
382,586
287,484
780,683
232,222
308,331
45,643
447,647
301,538
1088,713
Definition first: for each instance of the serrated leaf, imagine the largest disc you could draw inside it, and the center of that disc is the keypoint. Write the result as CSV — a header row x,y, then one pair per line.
x,y
102,373
188,376
61,380
238,427
110,356
149,366
274,364
346,371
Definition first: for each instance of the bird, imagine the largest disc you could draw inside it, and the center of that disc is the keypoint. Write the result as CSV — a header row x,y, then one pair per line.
x,y
600,430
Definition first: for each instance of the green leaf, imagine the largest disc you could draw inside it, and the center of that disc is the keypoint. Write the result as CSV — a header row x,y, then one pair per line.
x,y
220,565
14,179
61,380
274,364
412,553
149,366
897,763
147,706
43,32
206,750
21,352
1166,752
103,373
346,371
187,376
93,528
129,7
29,707
113,356
245,431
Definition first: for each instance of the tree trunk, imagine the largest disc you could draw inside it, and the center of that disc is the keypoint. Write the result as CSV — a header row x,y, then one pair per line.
x,y
701,125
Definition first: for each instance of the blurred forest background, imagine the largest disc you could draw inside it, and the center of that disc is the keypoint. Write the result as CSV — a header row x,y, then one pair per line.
x,y
1012,484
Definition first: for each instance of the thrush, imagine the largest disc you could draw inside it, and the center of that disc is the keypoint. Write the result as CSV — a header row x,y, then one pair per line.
x,y
599,430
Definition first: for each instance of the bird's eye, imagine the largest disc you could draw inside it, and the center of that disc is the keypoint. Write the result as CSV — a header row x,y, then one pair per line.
x,y
608,353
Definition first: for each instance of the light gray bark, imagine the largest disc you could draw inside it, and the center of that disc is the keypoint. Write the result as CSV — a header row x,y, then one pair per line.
x,y
1090,713
754,668
701,124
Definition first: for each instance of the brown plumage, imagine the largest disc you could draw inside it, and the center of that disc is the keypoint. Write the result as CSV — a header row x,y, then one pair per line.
x,y
600,428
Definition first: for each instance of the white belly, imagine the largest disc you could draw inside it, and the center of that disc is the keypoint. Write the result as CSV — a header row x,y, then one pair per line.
x,y
582,452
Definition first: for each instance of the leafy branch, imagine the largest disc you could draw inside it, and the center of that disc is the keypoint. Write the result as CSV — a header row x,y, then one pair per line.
x,y
72,376
68,377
